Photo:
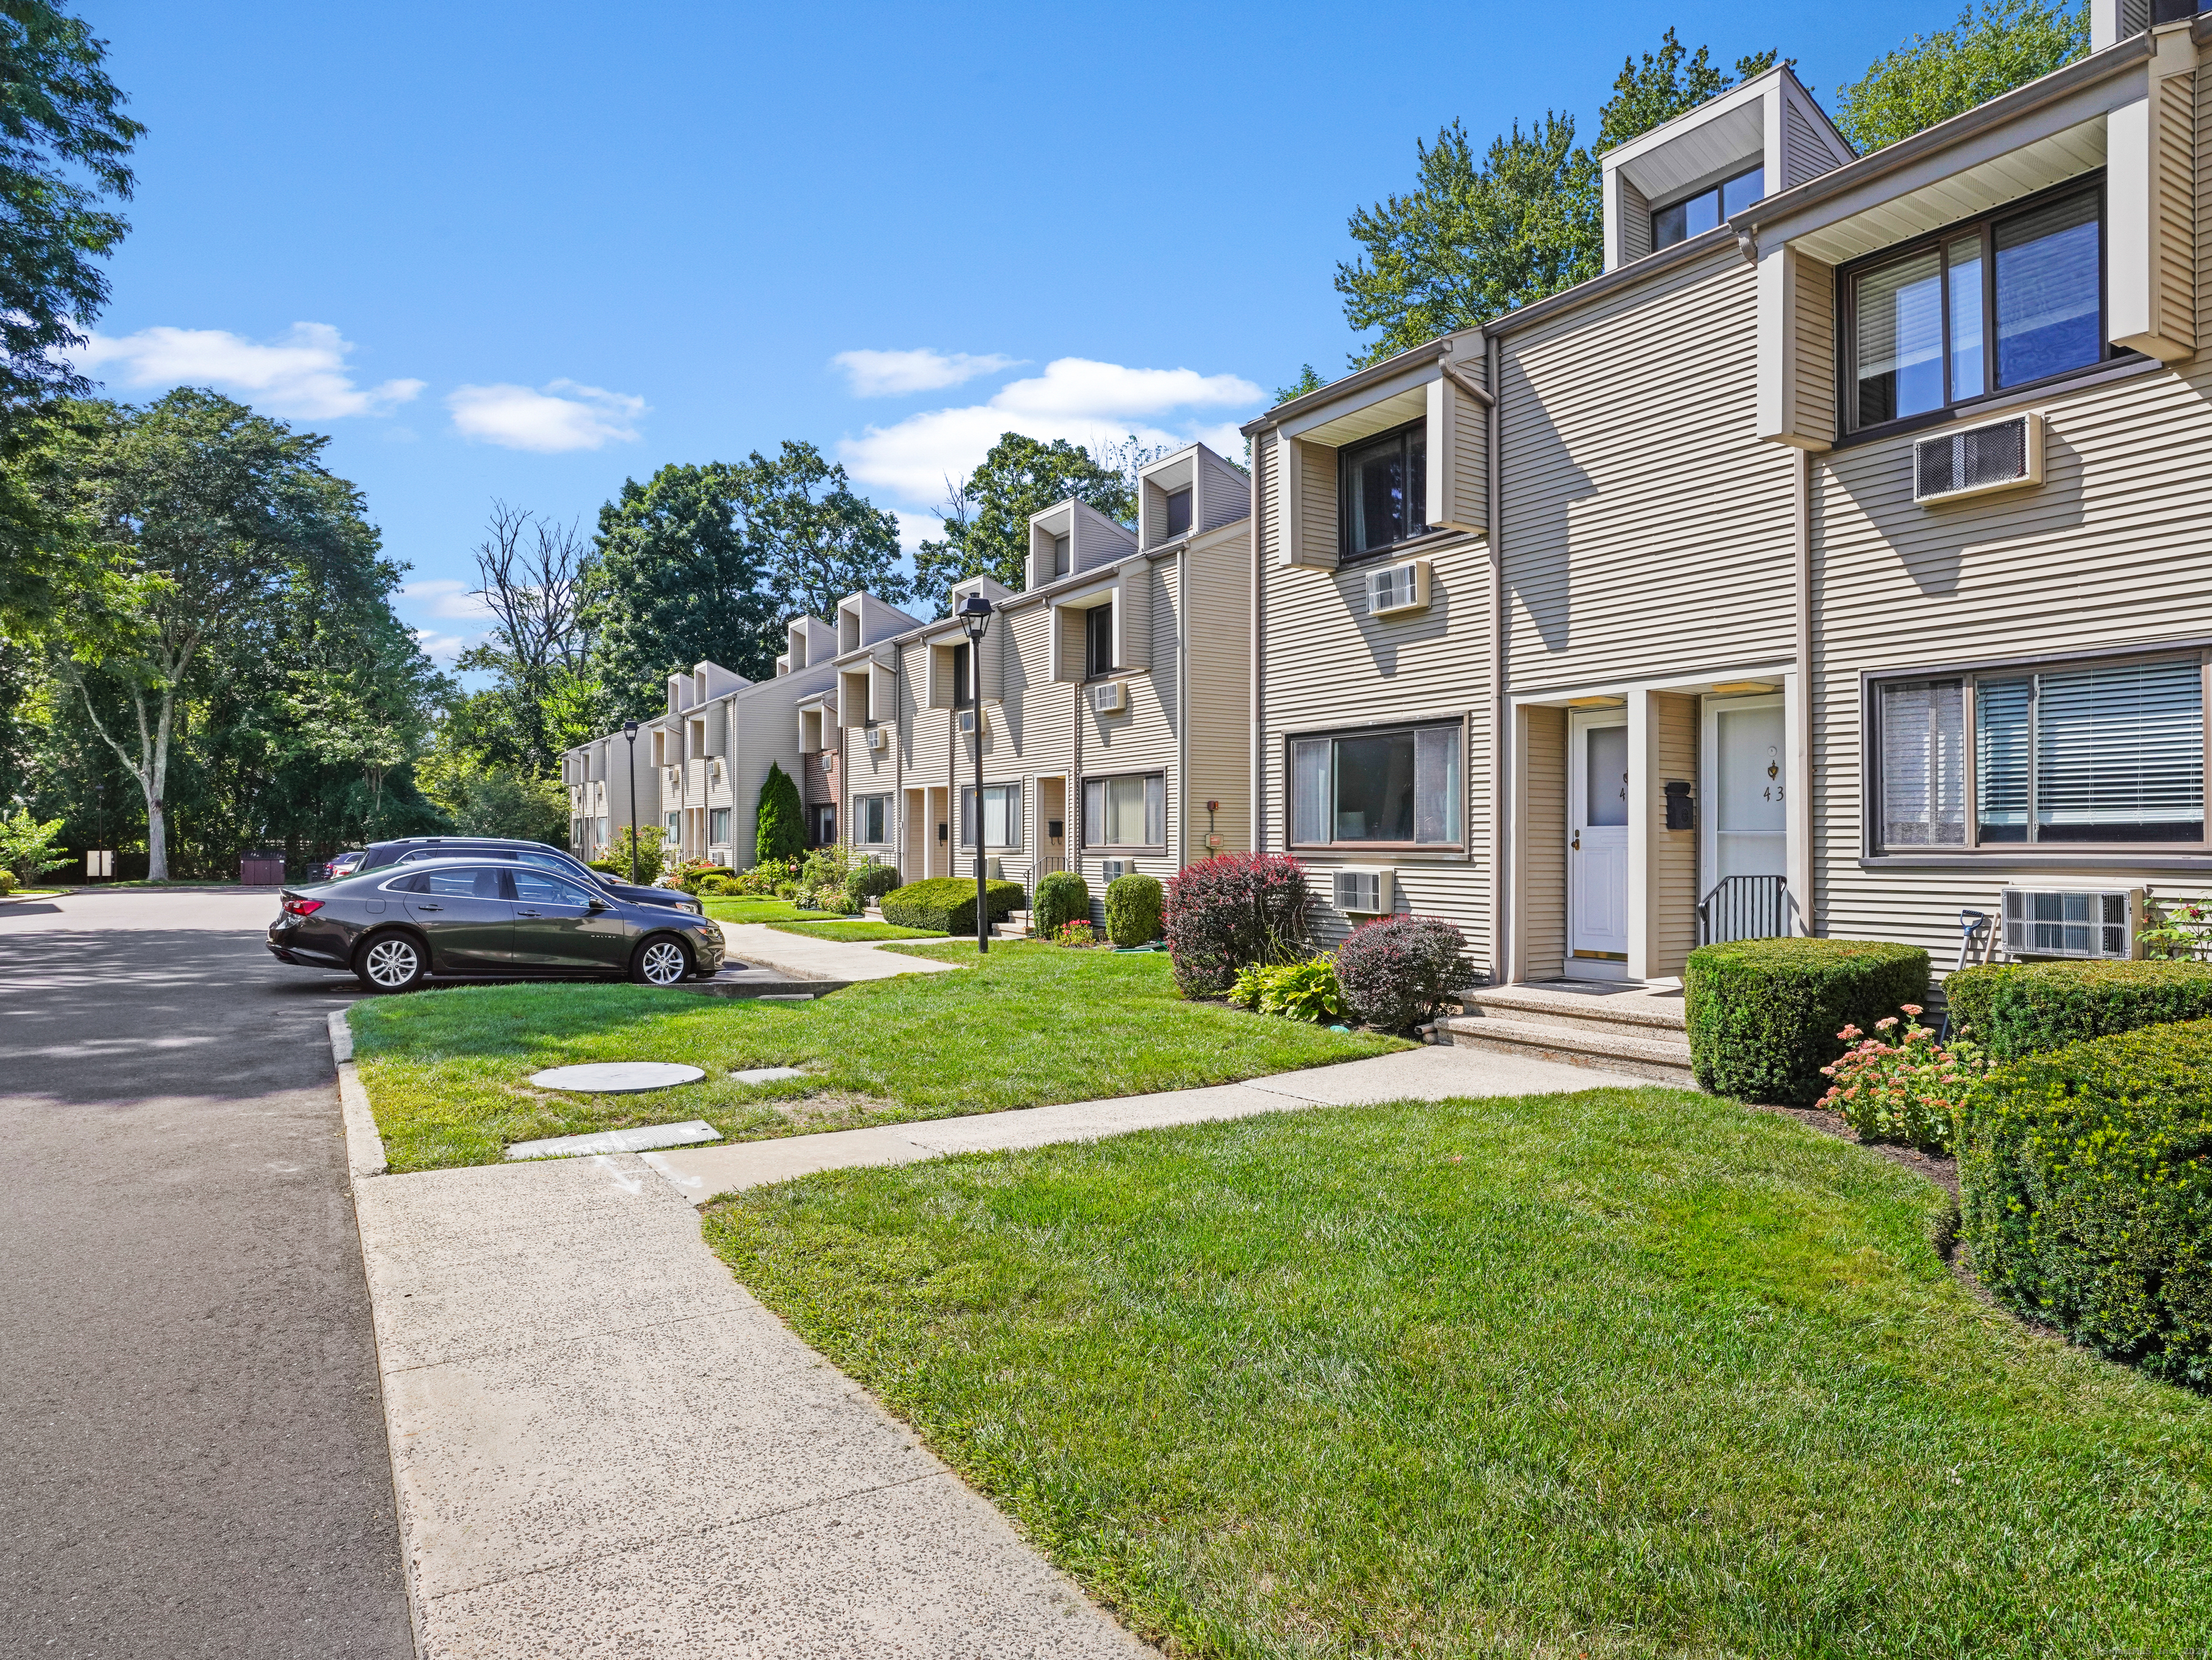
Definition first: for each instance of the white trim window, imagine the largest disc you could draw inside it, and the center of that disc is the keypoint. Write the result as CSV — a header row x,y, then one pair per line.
x,y
2102,754
718,827
1002,816
1127,811
871,819
674,829
1388,787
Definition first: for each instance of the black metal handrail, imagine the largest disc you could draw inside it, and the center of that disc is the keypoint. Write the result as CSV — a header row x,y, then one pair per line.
x,y
1745,908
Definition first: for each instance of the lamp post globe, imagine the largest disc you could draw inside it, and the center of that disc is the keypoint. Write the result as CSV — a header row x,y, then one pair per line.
x,y
973,615
629,731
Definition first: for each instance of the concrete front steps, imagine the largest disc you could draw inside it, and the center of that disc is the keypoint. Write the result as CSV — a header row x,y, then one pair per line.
x,y
1635,1030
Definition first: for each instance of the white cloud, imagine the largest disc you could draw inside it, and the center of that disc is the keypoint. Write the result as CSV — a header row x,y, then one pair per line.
x,y
888,373
1077,398
563,415
444,597
302,375
443,648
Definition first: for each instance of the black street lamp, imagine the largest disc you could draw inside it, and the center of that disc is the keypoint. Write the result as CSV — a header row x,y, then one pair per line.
x,y
975,615
629,731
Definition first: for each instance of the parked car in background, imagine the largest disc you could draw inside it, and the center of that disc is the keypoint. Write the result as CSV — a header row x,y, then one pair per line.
x,y
415,850
395,927
339,865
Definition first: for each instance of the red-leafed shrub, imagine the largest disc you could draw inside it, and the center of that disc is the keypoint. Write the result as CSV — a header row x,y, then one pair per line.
x,y
1233,910
1396,971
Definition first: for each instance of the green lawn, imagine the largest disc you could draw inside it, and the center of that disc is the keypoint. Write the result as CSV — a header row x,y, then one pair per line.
x,y
448,1071
855,929
757,910
1631,1372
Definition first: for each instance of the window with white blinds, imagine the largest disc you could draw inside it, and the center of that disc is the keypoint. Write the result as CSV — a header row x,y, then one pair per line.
x,y
2110,754
1395,789
1130,810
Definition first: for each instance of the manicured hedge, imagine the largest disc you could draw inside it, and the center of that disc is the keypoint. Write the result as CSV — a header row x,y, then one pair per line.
x,y
1762,1014
1133,903
1062,898
866,882
1394,971
2086,1193
2016,1009
946,904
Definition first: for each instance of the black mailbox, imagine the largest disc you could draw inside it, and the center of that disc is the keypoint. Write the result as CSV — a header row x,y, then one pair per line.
x,y
1682,811
1052,828
940,833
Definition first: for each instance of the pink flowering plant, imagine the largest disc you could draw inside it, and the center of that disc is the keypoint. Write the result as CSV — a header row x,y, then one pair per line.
x,y
1898,1084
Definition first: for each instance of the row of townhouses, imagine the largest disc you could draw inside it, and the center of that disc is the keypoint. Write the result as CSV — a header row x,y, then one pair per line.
x,y
1834,561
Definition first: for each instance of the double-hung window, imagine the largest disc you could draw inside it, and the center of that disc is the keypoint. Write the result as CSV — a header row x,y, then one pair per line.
x,y
871,818
675,829
718,827
1393,788
1130,810
1002,816
1998,302
1098,640
1694,215
1178,506
1383,490
2106,754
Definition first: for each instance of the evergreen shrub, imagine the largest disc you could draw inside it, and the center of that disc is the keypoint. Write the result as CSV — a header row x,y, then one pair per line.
x,y
2018,1009
1133,906
946,904
2086,1193
780,825
1763,1014
1062,896
866,882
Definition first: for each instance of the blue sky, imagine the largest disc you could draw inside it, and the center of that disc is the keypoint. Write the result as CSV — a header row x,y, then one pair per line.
x,y
524,252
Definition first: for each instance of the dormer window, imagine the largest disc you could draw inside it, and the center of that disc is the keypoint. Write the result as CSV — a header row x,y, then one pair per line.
x,y
1060,555
1678,222
1178,513
1098,640
1385,490
963,689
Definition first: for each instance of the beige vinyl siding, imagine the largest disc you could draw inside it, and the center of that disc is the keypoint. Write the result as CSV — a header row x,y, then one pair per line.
x,y
2175,201
1674,853
1267,450
1646,530
925,732
1635,220
1142,739
1328,665
1813,321
2200,86
1219,672
1804,155
2106,552
1543,875
1038,713
1458,458
1317,491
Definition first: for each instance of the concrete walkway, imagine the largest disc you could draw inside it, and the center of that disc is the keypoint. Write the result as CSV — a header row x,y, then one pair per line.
x,y
1423,1074
821,959
602,1445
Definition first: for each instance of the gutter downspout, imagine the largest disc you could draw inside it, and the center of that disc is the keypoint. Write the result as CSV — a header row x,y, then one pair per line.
x,y
1801,737
1182,702
1255,678
1501,714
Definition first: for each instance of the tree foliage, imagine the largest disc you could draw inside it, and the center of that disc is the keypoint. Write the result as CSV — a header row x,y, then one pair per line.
x,y
986,517
1932,78
822,540
780,825
1481,235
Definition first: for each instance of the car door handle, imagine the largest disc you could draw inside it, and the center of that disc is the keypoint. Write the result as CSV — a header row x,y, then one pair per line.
x,y
430,907
528,913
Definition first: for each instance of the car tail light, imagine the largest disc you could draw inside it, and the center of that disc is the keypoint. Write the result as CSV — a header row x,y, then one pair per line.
x,y
302,907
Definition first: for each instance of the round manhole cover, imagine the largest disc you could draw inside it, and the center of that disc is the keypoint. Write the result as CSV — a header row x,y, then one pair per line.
x,y
616,1077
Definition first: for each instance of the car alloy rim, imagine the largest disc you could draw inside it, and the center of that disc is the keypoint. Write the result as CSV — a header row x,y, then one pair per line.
x,y
391,963
663,962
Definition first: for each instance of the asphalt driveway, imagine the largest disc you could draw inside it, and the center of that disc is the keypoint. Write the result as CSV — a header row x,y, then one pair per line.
x,y
192,1458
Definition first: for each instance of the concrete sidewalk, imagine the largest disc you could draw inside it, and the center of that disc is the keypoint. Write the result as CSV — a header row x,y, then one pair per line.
x,y
602,1445
1433,1073
821,959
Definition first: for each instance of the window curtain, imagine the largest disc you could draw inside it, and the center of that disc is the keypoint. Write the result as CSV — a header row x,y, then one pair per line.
x,y
1924,770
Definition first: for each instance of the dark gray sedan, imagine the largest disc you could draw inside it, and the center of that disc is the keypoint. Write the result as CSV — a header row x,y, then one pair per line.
x,y
396,927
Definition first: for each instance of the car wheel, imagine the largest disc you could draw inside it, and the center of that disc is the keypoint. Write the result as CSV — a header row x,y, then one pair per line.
x,y
391,961
661,960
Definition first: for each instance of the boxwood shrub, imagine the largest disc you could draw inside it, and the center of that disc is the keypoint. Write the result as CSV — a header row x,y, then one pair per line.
x,y
2017,1009
1062,898
2086,1193
1394,971
1762,1014
866,882
1133,903
946,904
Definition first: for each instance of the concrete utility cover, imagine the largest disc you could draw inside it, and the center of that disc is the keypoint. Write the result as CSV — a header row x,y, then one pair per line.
x,y
616,1077
768,1074
643,1138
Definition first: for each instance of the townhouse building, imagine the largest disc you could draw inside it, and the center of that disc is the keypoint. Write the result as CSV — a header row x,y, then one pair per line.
x,y
1827,565
1109,696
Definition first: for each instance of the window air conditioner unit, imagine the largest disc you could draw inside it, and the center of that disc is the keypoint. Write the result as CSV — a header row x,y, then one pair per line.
x,y
1363,892
879,738
2001,455
1108,697
968,719
1392,589
2071,921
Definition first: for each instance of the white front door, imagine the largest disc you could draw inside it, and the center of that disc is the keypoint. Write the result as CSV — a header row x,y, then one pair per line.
x,y
1747,775
1597,845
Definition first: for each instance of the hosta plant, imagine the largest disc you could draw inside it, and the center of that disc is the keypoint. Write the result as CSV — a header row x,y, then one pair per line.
x,y
1899,1085
1304,990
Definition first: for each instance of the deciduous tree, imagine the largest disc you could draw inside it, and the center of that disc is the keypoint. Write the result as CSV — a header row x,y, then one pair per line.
x,y
986,517
1932,78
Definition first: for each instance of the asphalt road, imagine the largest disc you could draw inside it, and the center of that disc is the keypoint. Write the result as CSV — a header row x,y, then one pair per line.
x,y
192,1458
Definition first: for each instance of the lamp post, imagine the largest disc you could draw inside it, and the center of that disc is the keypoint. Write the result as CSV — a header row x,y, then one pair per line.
x,y
975,615
629,731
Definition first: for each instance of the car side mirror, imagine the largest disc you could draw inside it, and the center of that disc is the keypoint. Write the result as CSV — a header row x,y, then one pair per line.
x,y
595,906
